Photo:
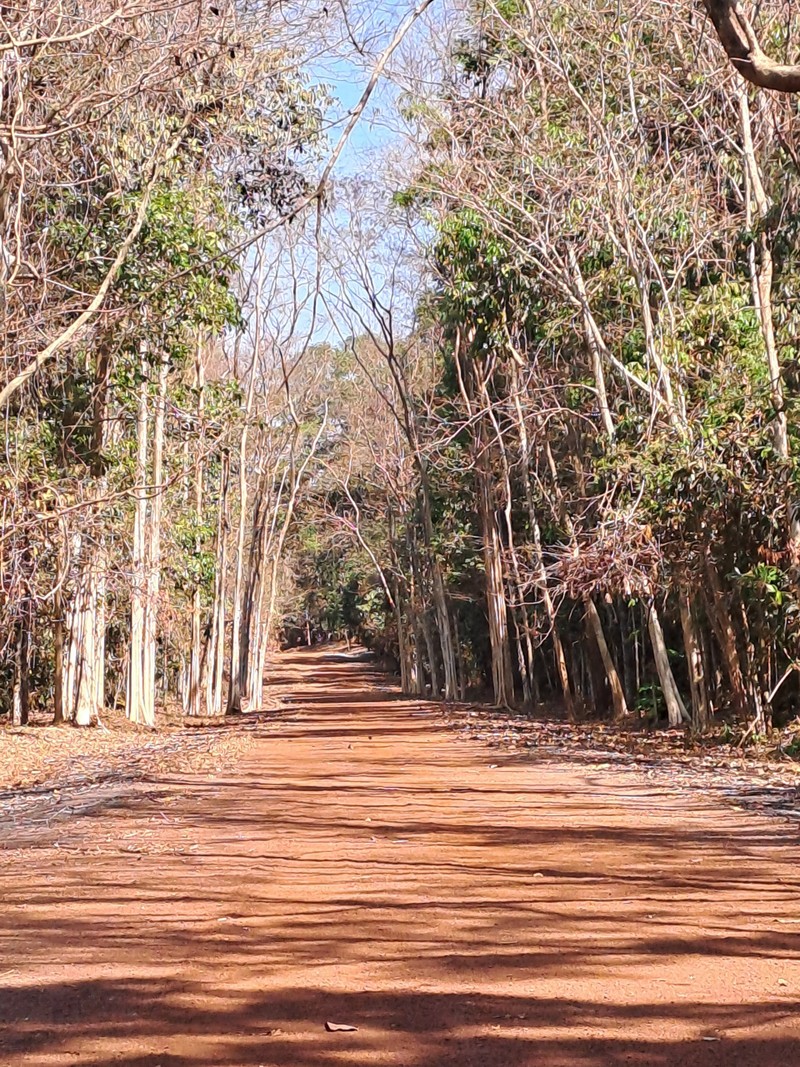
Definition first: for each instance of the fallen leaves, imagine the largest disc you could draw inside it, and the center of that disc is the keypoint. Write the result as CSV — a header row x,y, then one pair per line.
x,y
747,782
51,774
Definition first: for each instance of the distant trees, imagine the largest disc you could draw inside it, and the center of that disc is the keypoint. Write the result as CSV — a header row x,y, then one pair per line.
x,y
161,422
554,456
602,468
139,141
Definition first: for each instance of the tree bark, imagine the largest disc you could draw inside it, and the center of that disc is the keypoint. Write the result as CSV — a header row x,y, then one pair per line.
x,y
738,38
153,547
472,384
596,627
676,709
497,609
239,633
137,708
58,657
538,555
21,694
194,690
439,596
216,657
590,335
719,616
701,711
761,273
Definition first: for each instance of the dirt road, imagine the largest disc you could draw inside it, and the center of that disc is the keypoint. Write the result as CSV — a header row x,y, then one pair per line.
x,y
364,866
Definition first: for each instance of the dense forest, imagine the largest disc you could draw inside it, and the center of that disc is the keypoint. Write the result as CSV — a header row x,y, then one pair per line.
x,y
516,408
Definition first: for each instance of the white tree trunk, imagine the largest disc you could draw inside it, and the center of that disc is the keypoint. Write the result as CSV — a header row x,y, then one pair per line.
x,y
137,708
193,704
676,709
153,548
83,668
216,656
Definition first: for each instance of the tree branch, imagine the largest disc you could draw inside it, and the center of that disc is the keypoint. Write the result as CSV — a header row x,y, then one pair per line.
x,y
317,193
739,40
77,324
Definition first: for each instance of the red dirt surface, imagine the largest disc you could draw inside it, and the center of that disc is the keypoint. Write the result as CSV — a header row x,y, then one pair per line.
x,y
364,866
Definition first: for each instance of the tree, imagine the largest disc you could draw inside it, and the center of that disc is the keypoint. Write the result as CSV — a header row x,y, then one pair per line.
x,y
139,143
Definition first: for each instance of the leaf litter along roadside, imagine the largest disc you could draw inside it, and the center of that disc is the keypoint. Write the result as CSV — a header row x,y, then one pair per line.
x,y
52,774
754,779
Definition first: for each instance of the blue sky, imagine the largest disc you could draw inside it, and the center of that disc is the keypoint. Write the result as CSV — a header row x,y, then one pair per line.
x,y
338,65
378,130
347,75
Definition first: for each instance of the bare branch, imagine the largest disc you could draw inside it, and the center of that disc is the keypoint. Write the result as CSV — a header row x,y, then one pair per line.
x,y
87,314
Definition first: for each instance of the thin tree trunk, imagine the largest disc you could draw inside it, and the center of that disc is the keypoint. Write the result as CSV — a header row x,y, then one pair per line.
x,y
193,702
137,708
596,627
85,708
440,604
594,667
21,694
259,639
235,682
254,636
216,656
409,681
761,272
496,607
296,483
719,617
97,563
676,709
592,344
402,650
514,584
100,563
538,555
433,665
701,712
502,678
58,656
82,670
153,548
628,647
762,718
595,623
419,613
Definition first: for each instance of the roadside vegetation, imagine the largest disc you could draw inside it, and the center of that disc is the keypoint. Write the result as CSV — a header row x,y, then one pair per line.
x,y
517,408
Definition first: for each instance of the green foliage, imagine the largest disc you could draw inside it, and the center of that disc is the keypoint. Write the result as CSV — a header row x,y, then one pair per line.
x,y
177,276
193,565
338,593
